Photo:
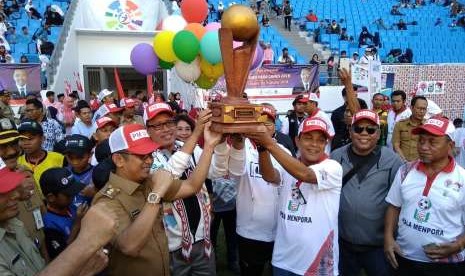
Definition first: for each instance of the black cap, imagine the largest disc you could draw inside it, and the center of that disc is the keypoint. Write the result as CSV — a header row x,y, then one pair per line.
x,y
102,151
60,146
60,180
78,144
101,173
80,105
31,126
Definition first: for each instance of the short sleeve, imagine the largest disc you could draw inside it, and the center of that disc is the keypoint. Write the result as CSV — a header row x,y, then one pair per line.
x,y
328,174
394,194
396,133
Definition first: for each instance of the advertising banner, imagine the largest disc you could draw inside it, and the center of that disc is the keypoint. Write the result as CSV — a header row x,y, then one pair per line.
x,y
19,80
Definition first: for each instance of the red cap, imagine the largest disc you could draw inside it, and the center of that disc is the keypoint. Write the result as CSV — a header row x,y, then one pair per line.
x,y
302,98
9,180
156,108
438,126
132,138
366,114
103,121
314,124
269,111
127,102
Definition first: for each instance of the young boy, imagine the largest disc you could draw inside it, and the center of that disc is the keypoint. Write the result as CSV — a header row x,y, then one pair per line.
x,y
61,223
104,127
78,151
84,125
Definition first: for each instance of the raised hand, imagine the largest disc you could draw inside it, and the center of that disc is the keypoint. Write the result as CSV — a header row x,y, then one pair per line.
x,y
212,138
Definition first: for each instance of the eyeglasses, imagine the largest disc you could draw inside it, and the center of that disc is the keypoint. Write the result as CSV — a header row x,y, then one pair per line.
x,y
141,157
168,124
369,129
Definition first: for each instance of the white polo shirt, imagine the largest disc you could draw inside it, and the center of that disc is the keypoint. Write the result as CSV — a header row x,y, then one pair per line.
x,y
432,209
307,234
392,119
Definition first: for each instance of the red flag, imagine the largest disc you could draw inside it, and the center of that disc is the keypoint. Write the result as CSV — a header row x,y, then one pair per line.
x,y
67,88
79,87
149,86
119,87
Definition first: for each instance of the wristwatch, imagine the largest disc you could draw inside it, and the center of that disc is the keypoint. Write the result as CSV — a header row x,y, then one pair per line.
x,y
153,198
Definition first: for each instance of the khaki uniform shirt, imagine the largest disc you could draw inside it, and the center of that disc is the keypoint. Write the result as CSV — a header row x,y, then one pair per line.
x,y
6,111
408,142
127,199
18,253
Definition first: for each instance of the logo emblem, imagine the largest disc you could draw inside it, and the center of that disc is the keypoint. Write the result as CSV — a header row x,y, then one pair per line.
x,y
124,15
421,213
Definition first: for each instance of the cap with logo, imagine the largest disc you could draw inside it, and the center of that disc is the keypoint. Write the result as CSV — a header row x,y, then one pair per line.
x,y
132,138
269,111
8,131
103,121
314,124
109,108
10,180
104,93
127,102
77,144
437,126
302,98
60,180
154,109
366,114
30,126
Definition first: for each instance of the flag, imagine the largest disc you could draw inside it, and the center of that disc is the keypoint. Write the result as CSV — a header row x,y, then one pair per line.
x,y
79,87
68,88
119,86
149,86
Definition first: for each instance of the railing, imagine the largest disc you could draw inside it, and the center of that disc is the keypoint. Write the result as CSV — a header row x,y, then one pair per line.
x,y
59,47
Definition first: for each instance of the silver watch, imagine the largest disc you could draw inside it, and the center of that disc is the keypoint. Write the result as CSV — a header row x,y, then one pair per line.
x,y
153,198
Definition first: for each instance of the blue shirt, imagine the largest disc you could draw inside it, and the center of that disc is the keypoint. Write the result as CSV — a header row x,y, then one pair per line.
x,y
86,178
57,228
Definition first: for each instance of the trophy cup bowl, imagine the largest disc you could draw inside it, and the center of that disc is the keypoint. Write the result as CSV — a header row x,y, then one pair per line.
x,y
234,114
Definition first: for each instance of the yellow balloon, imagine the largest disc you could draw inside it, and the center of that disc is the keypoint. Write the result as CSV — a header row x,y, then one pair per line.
x,y
210,70
163,46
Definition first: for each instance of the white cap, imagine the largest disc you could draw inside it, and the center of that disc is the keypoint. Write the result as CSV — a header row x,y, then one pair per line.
x,y
103,94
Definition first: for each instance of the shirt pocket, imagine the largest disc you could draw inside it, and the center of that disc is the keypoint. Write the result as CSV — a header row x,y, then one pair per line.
x,y
405,135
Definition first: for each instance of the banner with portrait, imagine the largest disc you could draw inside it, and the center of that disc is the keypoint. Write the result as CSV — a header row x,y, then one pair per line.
x,y
430,88
20,80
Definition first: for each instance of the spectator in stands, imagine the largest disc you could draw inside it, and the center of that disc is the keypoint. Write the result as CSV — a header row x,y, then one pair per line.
x,y
453,24
354,59
220,10
364,36
380,24
52,17
370,54
454,8
395,10
438,22
401,25
24,36
285,58
393,56
11,35
287,11
344,36
330,65
334,28
315,60
265,20
42,33
23,59
31,10
268,54
407,57
377,40
311,17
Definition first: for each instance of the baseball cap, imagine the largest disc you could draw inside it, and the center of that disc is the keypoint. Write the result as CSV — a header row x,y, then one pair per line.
x,y
77,144
60,180
8,131
104,93
267,110
102,150
314,124
313,97
109,108
132,138
127,102
301,99
10,180
31,126
103,121
366,114
156,108
438,126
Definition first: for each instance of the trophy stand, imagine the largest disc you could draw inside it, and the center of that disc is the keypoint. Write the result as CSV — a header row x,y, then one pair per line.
x,y
234,114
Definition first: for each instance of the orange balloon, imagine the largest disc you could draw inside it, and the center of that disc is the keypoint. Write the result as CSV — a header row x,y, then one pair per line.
x,y
197,29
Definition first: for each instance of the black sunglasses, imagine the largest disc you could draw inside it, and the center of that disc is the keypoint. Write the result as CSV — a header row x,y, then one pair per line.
x,y
369,129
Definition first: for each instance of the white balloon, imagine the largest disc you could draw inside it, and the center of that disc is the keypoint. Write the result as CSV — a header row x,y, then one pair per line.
x,y
174,23
188,72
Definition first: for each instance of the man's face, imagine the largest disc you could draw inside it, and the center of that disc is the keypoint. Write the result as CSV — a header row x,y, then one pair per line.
x,y
162,130
9,153
397,102
311,146
51,98
25,31
133,167
433,148
79,162
33,113
310,107
31,144
378,101
299,107
419,109
9,205
85,114
108,99
285,52
20,77
5,99
305,76
364,141
129,112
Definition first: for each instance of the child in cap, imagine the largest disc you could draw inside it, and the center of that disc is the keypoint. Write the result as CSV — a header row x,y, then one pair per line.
x,y
78,152
61,223
104,127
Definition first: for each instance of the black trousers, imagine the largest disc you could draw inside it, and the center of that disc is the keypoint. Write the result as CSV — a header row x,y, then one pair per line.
x,y
229,225
287,22
413,268
253,255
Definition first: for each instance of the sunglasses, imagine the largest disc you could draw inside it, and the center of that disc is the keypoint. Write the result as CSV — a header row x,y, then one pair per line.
x,y
369,129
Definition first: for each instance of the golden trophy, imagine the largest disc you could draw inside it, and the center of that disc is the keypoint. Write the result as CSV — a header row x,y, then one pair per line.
x,y
234,114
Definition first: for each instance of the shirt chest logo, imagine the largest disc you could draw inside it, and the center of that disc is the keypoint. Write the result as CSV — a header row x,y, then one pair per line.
x,y
422,213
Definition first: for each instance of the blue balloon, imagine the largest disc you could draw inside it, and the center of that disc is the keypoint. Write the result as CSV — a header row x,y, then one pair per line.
x,y
143,59
210,47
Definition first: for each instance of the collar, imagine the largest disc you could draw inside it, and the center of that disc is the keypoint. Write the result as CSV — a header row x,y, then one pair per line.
x,y
400,110
127,186
412,123
447,169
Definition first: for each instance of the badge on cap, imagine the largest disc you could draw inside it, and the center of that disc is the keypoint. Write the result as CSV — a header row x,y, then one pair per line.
x,y
64,181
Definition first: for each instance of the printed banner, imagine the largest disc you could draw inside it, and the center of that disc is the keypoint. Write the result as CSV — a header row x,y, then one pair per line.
x,y
360,75
122,15
430,87
19,80
272,80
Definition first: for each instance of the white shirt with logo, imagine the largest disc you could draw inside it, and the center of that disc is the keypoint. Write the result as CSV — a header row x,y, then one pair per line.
x,y
433,217
307,234
392,119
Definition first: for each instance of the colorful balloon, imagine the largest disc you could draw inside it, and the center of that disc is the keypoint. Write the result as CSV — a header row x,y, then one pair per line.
x,y
213,26
188,72
197,29
210,47
205,82
163,46
210,70
194,10
165,65
143,59
186,46
174,23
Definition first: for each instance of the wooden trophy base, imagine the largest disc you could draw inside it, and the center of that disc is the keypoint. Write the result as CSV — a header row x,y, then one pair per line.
x,y
236,118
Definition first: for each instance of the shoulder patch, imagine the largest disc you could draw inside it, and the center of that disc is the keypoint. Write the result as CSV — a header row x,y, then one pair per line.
x,y
110,192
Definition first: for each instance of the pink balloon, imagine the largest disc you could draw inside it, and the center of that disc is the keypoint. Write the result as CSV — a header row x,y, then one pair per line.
x,y
213,26
237,44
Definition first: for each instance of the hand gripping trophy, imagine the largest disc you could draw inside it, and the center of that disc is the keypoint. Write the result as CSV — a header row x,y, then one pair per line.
x,y
234,114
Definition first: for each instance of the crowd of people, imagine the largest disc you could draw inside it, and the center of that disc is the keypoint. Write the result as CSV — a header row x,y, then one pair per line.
x,y
124,187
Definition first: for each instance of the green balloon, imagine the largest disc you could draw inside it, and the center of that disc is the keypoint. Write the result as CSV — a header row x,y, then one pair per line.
x,y
205,82
164,64
186,46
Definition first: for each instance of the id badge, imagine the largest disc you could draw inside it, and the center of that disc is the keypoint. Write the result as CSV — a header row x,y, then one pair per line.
x,y
38,218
